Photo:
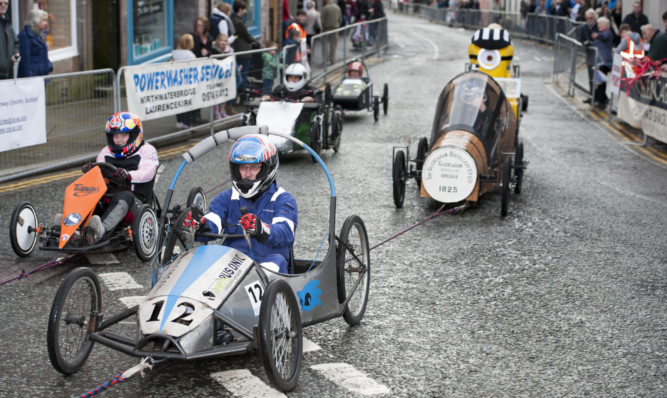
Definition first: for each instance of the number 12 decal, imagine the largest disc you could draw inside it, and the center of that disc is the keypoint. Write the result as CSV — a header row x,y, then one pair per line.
x,y
255,292
188,310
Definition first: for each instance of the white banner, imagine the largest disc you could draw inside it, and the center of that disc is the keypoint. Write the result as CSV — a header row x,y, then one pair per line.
x,y
616,73
158,90
22,113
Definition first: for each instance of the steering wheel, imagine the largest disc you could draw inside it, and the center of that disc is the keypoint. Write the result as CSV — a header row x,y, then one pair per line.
x,y
111,168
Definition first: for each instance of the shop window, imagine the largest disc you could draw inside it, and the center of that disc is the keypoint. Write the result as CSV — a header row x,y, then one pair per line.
x,y
150,30
61,36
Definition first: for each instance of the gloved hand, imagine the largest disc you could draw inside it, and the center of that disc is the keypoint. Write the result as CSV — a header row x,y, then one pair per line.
x,y
254,225
192,223
121,176
86,167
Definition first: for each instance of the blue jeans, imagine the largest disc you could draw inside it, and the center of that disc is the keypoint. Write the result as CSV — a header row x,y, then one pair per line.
x,y
267,87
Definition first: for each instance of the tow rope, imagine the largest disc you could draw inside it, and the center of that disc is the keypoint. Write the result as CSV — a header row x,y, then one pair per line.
x,y
145,364
49,264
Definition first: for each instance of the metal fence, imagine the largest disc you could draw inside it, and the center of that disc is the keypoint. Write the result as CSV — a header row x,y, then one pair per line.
x,y
575,63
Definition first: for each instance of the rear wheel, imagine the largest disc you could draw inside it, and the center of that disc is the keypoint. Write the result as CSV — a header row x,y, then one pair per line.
x,y
385,98
422,147
328,96
399,177
505,197
315,142
376,108
518,168
280,335
353,261
77,303
145,233
336,128
23,229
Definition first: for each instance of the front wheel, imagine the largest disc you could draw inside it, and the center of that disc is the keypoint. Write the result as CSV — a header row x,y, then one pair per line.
x,y
376,108
422,148
145,233
385,98
353,262
315,142
197,198
23,229
337,128
518,168
280,335
505,197
78,302
398,178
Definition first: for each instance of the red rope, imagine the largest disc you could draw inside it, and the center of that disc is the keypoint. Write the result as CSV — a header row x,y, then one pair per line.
x,y
117,379
49,264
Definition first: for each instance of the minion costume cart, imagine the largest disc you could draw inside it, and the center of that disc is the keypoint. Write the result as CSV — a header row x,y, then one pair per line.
x,y
491,51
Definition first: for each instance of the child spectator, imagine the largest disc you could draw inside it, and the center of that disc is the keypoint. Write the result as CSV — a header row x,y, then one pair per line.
x,y
269,72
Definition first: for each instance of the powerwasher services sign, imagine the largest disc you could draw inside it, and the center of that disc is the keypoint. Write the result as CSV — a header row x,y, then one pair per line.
x,y
159,90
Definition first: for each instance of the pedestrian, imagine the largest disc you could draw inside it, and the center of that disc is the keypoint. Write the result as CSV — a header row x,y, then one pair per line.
x,y
221,46
131,185
602,40
203,41
183,52
636,19
34,50
331,17
269,68
377,12
220,22
657,41
242,43
9,47
313,22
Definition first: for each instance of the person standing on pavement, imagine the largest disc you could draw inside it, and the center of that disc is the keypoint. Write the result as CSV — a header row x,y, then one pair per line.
x,y
203,41
331,18
636,19
9,44
33,48
313,22
658,43
220,23
602,40
243,42
183,52
377,12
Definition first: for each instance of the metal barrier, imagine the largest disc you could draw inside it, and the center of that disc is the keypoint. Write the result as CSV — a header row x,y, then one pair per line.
x,y
577,62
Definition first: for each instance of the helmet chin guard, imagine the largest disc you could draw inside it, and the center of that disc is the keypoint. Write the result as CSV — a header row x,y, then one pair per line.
x,y
295,70
253,149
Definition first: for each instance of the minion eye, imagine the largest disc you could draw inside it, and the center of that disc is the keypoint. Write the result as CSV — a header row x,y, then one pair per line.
x,y
489,59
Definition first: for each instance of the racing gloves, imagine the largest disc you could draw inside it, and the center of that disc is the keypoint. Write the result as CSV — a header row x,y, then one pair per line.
x,y
191,222
121,176
86,167
254,225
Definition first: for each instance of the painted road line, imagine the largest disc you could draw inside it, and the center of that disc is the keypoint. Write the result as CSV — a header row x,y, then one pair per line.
x,y
348,377
102,258
242,383
119,281
131,301
309,346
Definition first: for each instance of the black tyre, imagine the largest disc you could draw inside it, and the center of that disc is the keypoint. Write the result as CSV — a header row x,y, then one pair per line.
x,y
505,183
422,148
315,142
145,233
524,102
77,302
23,229
179,238
328,97
336,128
399,176
280,335
385,98
197,198
376,108
518,168
353,260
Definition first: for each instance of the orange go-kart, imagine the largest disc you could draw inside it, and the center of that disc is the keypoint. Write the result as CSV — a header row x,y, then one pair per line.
x,y
72,235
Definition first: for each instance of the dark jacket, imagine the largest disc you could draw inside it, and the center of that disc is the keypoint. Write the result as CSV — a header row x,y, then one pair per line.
x,y
244,39
658,50
199,45
34,54
7,51
635,21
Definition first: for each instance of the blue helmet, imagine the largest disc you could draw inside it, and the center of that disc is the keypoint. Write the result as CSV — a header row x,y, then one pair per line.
x,y
253,149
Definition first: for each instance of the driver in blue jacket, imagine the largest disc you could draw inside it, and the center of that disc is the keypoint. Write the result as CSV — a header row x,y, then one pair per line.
x,y
271,217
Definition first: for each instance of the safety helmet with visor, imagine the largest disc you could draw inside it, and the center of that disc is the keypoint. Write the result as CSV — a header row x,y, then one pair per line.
x,y
355,70
253,149
124,122
292,72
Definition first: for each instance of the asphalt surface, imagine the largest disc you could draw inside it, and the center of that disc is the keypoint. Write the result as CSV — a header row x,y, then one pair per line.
x,y
566,296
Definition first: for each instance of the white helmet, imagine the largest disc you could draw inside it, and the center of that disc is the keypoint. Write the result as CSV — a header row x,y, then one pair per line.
x,y
295,70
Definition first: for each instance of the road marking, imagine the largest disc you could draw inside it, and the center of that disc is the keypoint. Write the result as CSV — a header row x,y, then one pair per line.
x,y
131,301
350,378
309,346
119,281
242,383
102,258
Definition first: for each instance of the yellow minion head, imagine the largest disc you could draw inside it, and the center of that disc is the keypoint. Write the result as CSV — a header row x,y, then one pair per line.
x,y
492,50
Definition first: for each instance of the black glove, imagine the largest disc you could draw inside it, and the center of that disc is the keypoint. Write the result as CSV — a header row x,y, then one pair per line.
x,y
121,176
255,227
86,167
194,222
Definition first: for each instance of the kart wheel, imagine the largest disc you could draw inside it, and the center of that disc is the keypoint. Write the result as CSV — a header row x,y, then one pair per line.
x,y
353,260
315,142
505,197
524,102
518,168
399,176
145,233
197,198
280,335
77,302
328,97
337,128
179,238
23,229
385,98
376,108
422,148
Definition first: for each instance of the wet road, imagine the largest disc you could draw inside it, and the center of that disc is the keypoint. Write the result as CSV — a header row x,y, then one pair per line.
x,y
566,296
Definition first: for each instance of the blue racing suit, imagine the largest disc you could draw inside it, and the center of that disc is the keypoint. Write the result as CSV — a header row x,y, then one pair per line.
x,y
275,207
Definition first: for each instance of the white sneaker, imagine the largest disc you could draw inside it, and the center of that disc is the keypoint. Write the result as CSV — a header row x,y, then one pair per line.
x,y
181,125
96,224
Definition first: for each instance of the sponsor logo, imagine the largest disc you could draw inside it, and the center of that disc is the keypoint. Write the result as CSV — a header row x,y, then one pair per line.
x,y
209,295
64,237
224,277
82,190
72,219
309,296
